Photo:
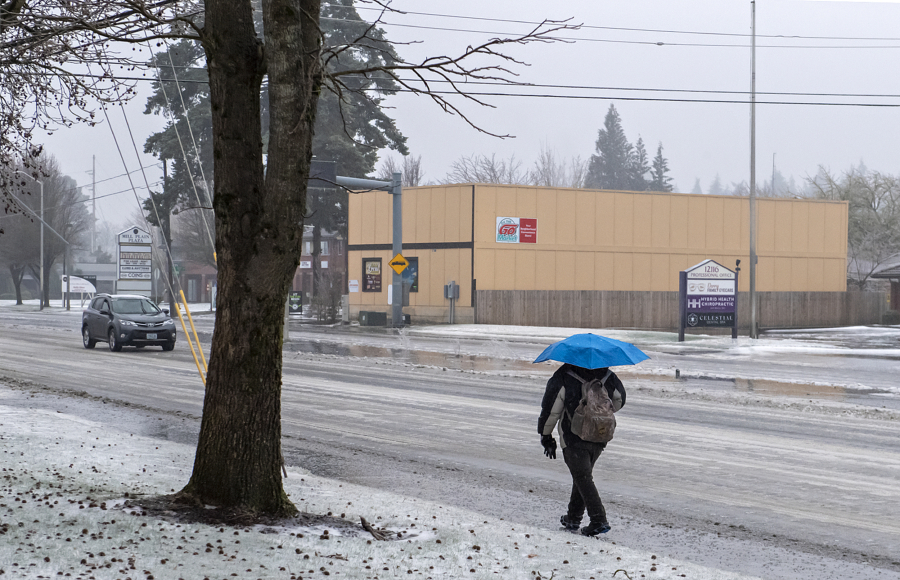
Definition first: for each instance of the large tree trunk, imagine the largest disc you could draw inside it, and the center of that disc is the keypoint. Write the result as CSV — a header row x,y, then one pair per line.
x,y
258,234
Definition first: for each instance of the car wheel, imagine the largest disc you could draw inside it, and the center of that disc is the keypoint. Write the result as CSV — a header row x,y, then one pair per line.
x,y
114,345
86,338
169,346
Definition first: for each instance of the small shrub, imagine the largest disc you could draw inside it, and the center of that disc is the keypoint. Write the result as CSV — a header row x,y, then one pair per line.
x,y
891,317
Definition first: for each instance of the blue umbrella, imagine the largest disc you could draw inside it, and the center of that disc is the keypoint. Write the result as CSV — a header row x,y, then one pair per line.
x,y
591,351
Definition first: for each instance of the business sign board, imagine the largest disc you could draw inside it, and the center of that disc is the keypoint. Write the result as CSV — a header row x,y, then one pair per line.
x,y
513,230
78,285
708,297
135,260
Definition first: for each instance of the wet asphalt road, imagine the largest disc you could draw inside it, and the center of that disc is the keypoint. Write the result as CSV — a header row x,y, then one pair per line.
x,y
782,485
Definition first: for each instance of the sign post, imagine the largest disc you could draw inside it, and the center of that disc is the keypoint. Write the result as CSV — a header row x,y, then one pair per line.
x,y
707,297
135,261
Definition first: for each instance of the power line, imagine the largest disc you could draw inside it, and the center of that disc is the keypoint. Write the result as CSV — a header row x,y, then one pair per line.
x,y
614,41
627,29
636,89
65,205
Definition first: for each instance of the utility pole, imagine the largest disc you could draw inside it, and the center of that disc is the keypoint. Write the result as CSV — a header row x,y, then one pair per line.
x,y
753,314
93,201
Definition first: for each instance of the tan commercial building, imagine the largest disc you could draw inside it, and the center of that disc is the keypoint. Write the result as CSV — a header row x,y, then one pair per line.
x,y
528,249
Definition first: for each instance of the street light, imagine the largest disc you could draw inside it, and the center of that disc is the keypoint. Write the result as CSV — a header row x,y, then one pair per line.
x,y
42,233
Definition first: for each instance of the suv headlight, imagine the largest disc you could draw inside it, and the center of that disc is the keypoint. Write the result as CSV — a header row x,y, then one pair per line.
x,y
169,322
127,323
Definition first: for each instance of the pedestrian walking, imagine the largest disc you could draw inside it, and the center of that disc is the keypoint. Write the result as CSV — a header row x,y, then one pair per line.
x,y
580,401
561,400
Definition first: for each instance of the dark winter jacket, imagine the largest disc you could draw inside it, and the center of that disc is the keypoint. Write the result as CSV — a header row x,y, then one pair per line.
x,y
564,392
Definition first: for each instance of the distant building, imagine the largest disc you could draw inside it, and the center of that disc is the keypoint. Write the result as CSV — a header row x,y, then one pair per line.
x,y
592,258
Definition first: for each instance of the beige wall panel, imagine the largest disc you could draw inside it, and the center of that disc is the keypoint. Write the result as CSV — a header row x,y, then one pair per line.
x,y
565,271
605,222
526,203
546,216
624,220
783,221
696,219
415,219
465,278
643,221
506,202
526,270
565,211
452,271
584,219
679,210
624,271
437,268
661,219
504,266
485,222
765,226
435,216
369,223
817,230
816,273
354,218
765,274
545,270
835,275
448,223
715,223
661,273
799,274
584,271
783,275
835,229
484,270
799,227
642,271
464,202
731,224
604,271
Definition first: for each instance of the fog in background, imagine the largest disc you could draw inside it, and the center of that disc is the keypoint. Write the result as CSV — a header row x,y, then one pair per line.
x,y
705,47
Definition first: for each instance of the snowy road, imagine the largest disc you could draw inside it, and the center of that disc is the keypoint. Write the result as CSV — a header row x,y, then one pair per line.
x,y
793,480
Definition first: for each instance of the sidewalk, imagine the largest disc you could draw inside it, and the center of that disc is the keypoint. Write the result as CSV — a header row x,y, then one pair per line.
x,y
64,511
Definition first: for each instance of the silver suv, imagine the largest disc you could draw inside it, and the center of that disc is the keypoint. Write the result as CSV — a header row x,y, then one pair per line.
x,y
126,320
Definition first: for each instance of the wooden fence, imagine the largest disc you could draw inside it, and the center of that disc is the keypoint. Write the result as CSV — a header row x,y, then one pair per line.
x,y
659,310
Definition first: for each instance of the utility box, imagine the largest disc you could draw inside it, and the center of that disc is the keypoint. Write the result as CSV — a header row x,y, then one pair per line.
x,y
368,318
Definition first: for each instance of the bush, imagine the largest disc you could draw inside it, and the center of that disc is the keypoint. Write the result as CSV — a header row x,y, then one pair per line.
x,y
891,317
327,302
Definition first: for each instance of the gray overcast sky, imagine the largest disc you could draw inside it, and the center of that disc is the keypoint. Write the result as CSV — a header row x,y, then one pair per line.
x,y
700,139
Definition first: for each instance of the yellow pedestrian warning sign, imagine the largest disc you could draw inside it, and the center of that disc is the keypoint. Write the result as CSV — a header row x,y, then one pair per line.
x,y
399,263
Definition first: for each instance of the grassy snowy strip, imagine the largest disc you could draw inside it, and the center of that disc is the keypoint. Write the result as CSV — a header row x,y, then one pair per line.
x,y
64,483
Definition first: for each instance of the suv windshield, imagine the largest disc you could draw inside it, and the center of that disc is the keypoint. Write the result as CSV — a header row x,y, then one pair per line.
x,y
134,306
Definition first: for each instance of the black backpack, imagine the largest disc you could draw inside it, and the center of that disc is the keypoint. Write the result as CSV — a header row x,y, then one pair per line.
x,y
594,419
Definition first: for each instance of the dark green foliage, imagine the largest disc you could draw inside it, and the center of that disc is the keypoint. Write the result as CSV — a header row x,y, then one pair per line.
x,y
611,166
660,180
619,165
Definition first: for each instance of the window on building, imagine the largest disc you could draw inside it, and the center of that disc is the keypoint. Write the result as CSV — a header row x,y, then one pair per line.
x,y
323,245
307,248
411,274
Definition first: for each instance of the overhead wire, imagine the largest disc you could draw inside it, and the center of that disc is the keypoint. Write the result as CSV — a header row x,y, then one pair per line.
x,y
181,146
622,28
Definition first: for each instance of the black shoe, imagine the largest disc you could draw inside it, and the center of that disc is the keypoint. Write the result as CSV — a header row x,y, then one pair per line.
x,y
569,525
592,529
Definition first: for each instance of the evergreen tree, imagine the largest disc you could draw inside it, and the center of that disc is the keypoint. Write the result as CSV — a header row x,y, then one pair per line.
x,y
610,167
349,130
697,188
640,166
715,188
659,172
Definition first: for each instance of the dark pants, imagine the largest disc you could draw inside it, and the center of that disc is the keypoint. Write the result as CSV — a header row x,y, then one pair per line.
x,y
584,493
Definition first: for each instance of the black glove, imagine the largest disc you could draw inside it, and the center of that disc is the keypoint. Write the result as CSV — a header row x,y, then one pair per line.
x,y
549,444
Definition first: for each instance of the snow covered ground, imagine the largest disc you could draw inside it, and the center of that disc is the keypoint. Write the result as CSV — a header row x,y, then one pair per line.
x,y
65,511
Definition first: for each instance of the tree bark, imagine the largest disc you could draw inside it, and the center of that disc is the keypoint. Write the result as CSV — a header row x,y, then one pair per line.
x,y
259,212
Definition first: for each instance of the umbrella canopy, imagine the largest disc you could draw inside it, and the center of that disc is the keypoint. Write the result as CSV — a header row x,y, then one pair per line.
x,y
591,351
